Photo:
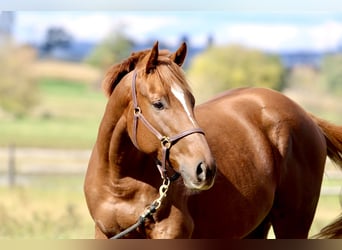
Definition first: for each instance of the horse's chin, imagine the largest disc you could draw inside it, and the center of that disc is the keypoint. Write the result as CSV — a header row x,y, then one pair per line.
x,y
197,187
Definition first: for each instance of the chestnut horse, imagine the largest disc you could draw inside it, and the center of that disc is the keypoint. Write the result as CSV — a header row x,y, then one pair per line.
x,y
270,156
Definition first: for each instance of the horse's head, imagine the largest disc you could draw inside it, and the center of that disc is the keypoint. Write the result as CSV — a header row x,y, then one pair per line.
x,y
160,113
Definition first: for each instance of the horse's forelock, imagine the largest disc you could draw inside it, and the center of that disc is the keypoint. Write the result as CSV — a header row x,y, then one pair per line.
x,y
168,73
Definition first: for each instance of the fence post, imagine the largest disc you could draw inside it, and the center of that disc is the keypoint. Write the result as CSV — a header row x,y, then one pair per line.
x,y
11,166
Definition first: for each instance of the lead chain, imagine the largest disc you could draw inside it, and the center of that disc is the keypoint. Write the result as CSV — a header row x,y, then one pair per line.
x,y
162,193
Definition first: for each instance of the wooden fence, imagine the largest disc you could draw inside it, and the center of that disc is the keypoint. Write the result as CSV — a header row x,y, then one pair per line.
x,y
16,164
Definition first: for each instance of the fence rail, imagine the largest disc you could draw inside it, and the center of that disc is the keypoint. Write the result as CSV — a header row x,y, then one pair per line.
x,y
18,164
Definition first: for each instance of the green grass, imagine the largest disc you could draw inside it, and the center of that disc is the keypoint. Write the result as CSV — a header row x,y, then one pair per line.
x,y
55,132
67,116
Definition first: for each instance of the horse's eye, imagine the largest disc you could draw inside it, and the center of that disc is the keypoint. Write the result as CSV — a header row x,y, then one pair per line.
x,y
158,105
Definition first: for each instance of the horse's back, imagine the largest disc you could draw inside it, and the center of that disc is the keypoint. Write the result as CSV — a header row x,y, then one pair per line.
x,y
268,152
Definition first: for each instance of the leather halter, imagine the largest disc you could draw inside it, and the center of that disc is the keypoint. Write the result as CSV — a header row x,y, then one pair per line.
x,y
166,141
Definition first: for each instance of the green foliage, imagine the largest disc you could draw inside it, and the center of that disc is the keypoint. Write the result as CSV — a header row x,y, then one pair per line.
x,y
18,91
113,48
331,70
221,68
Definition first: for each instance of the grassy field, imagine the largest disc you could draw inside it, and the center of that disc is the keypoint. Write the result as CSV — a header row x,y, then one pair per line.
x,y
49,207
53,207
76,72
68,116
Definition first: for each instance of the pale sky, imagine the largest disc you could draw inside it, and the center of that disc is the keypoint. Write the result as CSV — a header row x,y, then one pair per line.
x,y
272,31
266,24
204,5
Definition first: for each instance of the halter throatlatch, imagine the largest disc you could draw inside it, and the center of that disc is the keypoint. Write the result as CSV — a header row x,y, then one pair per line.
x,y
166,141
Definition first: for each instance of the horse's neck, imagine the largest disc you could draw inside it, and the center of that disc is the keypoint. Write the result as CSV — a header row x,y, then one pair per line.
x,y
118,156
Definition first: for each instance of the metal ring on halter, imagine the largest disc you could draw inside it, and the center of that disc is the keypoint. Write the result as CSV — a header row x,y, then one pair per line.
x,y
166,142
137,110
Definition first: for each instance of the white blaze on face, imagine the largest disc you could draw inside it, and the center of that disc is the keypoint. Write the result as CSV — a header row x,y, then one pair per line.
x,y
179,94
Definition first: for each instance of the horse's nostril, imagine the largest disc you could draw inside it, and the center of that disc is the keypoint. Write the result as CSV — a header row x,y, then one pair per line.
x,y
201,171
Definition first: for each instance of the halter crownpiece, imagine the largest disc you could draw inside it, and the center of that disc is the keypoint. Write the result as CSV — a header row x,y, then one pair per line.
x,y
166,141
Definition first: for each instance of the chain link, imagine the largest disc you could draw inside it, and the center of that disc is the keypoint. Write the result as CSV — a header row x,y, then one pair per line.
x,y
162,193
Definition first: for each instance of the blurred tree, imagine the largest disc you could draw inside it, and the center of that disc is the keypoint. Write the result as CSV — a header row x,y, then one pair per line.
x,y
18,91
221,68
56,37
331,70
114,48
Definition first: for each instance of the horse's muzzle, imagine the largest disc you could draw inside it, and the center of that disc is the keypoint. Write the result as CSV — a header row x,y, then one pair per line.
x,y
203,179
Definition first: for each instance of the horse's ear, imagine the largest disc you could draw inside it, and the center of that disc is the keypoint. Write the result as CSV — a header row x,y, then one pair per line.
x,y
179,56
153,59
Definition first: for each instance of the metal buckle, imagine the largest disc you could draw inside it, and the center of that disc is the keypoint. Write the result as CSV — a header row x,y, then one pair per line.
x,y
165,142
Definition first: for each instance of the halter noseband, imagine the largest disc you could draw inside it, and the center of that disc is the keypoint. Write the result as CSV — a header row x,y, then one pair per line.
x,y
166,141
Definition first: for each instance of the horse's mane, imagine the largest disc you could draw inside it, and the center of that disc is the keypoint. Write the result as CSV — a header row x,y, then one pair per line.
x,y
119,70
166,71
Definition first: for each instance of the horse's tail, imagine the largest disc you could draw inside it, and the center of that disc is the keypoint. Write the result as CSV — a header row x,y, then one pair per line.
x,y
332,231
333,137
